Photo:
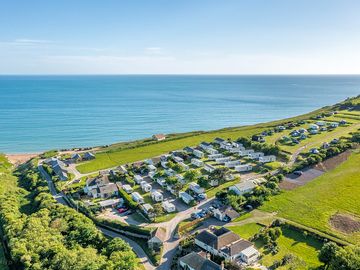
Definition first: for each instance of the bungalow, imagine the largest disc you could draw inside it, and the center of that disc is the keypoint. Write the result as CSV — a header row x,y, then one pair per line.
x,y
157,239
158,137
194,261
243,168
58,167
127,188
107,191
157,196
212,151
215,156
148,209
88,156
168,207
219,140
342,122
198,153
138,179
225,214
197,162
294,133
205,145
76,157
209,168
111,202
266,159
313,127
188,149
246,152
222,160
256,155
314,151
137,197
92,185
178,159
320,123
186,197
161,182
280,128
334,125
151,168
196,188
213,182
224,243
184,166
146,187
232,163
243,187
236,149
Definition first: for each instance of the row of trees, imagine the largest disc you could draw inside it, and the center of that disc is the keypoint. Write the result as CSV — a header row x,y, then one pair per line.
x,y
267,149
42,234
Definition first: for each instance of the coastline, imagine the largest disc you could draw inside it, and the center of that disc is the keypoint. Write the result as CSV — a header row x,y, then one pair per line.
x,y
20,158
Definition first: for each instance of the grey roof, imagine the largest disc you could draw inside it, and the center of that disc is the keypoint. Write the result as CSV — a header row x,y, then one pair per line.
x,y
236,247
219,238
108,189
197,262
99,181
245,185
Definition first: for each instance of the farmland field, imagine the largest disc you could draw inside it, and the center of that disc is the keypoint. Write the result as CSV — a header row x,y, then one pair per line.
x,y
312,205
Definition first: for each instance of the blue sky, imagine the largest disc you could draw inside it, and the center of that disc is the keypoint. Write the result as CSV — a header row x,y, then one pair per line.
x,y
182,37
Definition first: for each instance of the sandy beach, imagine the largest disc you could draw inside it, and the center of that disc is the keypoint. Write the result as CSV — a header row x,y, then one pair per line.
x,y
17,159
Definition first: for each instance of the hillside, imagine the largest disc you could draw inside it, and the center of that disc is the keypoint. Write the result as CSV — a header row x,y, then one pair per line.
x,y
335,192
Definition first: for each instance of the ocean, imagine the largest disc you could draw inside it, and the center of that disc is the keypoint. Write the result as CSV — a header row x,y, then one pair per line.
x,y
39,113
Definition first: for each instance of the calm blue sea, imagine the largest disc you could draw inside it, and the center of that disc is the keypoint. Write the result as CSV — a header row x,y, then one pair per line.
x,y
45,112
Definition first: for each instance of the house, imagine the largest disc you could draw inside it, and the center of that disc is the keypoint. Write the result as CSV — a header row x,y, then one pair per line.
x,y
146,187
138,179
168,207
232,163
157,196
325,145
196,188
242,187
236,149
151,168
313,127
178,159
194,261
243,168
342,122
314,151
246,152
313,131
188,149
137,197
107,191
127,188
157,239
198,153
111,202
224,243
222,160
212,151
88,156
161,182
320,123
225,214
294,133
334,125
219,140
205,145
92,185
158,137
186,197
197,162
76,157
209,168
215,156
280,128
266,159
148,209
213,182
184,166
58,167
256,155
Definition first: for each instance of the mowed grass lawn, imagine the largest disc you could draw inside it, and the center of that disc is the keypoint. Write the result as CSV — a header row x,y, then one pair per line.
x,y
290,242
314,203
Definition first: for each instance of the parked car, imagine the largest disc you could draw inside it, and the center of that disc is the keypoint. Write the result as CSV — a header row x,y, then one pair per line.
x,y
298,173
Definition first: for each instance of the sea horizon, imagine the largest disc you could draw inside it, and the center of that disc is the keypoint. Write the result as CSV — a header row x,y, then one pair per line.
x,y
43,112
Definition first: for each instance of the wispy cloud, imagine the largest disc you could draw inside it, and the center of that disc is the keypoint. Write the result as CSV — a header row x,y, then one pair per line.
x,y
154,50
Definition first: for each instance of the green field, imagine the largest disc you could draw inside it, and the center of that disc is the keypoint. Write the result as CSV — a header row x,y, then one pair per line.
x,y
290,242
314,203
123,153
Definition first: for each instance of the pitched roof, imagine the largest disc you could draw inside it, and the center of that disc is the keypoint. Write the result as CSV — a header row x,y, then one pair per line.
x,y
159,136
218,238
110,188
160,233
197,262
236,247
